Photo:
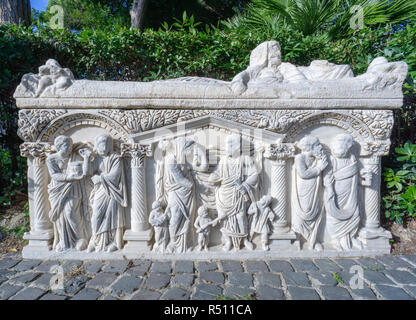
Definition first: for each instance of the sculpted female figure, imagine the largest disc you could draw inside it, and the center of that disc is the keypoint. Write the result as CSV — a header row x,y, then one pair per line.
x,y
180,190
307,187
67,194
109,197
341,183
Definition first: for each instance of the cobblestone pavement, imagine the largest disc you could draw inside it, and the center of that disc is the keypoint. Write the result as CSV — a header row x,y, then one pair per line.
x,y
383,277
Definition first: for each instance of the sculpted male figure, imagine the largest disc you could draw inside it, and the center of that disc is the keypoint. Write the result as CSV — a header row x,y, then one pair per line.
x,y
236,177
341,183
307,188
109,197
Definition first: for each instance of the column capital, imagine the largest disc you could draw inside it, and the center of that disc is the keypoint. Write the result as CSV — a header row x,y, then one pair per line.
x,y
137,152
280,151
38,150
375,149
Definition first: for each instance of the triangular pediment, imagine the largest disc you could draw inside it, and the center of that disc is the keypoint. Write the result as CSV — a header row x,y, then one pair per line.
x,y
191,127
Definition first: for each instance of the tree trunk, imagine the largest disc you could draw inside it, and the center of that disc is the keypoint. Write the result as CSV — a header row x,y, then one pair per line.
x,y
137,13
15,11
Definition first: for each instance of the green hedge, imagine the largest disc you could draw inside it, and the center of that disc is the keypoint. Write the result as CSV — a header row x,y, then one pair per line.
x,y
182,51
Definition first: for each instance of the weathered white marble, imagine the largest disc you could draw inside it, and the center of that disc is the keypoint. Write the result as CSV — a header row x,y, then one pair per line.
x,y
283,161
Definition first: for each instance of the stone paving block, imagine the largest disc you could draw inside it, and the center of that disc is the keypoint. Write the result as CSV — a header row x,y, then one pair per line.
x,y
7,273
402,277
175,294
320,278
7,290
50,296
303,265
44,281
126,285
87,294
211,277
93,267
239,293
72,285
72,266
410,290
183,267
2,279
269,279
335,293
231,266
25,278
162,267
393,262
410,258
207,266
183,280
48,266
346,264
102,280
139,268
29,294
280,266
26,265
206,292
376,277
363,294
241,279
268,293
345,277
109,298
371,264
327,265
256,266
117,266
297,293
296,279
145,294
392,293
8,263
157,280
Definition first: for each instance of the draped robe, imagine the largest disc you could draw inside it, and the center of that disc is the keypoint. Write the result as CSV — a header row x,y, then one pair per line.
x,y
306,202
69,205
230,202
341,199
109,198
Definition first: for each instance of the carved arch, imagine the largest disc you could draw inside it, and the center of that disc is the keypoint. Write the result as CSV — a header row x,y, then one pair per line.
x,y
70,120
351,124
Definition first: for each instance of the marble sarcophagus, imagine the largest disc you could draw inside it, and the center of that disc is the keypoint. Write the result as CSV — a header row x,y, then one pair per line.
x,y
283,161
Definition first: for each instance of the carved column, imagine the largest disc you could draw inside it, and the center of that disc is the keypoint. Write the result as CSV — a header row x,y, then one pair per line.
x,y
371,219
279,154
139,234
41,230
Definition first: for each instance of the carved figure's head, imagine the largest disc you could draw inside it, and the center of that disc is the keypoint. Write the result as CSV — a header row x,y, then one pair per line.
x,y
202,211
265,201
341,145
156,205
103,144
63,145
183,147
233,145
266,54
54,66
310,145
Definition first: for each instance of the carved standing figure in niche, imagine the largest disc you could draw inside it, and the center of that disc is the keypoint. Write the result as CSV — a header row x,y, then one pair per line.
x,y
341,181
261,218
109,197
307,190
68,197
159,221
236,177
180,190
203,225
